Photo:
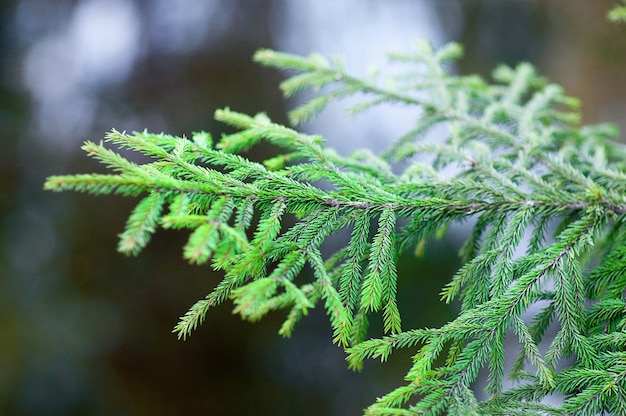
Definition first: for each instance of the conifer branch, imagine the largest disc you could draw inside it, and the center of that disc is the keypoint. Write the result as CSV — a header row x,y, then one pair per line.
x,y
544,197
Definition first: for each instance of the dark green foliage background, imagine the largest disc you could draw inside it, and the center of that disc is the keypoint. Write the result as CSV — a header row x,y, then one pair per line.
x,y
89,330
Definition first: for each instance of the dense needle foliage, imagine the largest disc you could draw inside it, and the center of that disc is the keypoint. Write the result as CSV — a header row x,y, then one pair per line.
x,y
544,263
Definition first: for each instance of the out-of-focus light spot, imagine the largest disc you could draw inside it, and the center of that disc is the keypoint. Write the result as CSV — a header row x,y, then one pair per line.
x,y
363,33
183,25
50,68
97,48
104,35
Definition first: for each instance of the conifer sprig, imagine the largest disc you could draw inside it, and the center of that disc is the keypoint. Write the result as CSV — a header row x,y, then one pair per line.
x,y
543,264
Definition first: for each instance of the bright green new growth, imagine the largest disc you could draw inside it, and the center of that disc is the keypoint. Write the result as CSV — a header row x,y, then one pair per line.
x,y
546,198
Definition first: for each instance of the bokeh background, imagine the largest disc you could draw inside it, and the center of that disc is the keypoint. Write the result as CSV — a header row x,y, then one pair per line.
x,y
87,331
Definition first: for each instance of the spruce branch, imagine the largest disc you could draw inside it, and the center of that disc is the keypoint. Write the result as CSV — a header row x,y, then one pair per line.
x,y
543,196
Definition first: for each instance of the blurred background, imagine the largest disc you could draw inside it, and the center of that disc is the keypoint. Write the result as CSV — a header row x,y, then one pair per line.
x,y
87,331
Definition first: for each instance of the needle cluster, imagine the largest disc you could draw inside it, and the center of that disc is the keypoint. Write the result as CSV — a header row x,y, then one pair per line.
x,y
544,264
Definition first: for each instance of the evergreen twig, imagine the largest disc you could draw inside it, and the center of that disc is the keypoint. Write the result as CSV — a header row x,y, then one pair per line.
x,y
520,163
